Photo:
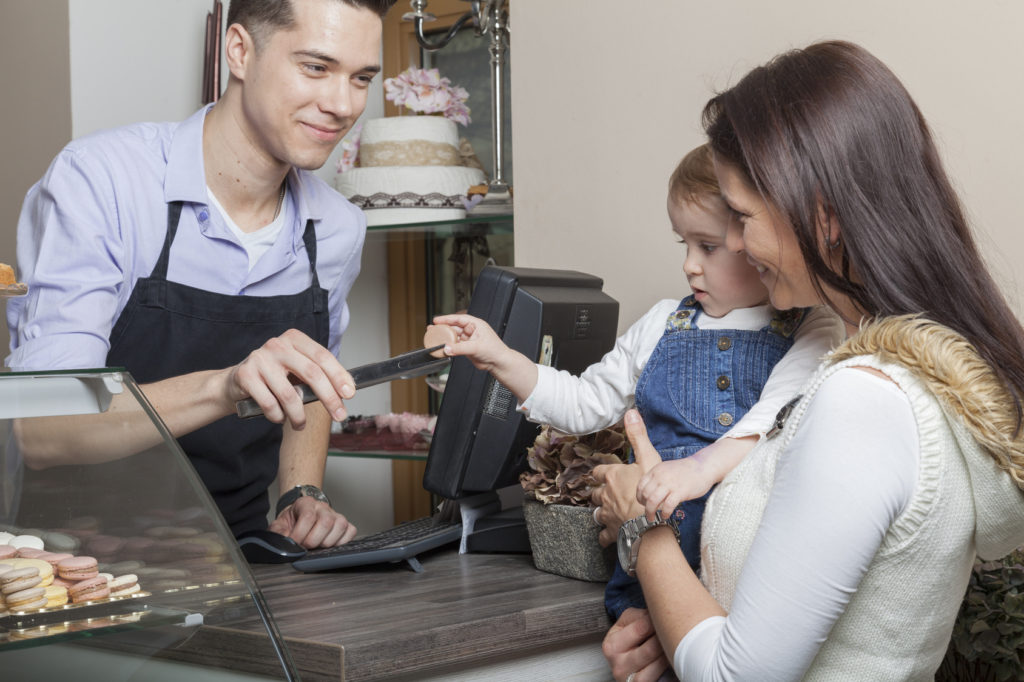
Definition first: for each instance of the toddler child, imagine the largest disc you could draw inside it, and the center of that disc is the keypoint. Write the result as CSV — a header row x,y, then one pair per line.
x,y
700,371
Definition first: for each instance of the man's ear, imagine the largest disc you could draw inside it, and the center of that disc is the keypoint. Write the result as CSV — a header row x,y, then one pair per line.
x,y
239,50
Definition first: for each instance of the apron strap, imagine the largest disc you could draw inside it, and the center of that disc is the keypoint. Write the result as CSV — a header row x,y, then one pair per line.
x,y
173,214
309,239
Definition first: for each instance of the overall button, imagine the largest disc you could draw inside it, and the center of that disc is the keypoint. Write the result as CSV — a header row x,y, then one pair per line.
x,y
723,382
725,419
724,343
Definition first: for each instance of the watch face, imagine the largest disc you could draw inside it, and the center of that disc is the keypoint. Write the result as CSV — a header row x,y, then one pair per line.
x,y
624,545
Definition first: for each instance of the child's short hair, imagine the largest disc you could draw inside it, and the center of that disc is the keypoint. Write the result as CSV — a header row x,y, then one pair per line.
x,y
693,180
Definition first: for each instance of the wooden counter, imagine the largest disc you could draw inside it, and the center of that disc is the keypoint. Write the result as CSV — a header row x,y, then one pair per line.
x,y
387,622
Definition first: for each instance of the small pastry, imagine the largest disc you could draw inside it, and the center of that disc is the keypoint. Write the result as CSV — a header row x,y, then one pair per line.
x,y
78,568
25,600
19,579
437,335
124,585
56,595
33,541
89,589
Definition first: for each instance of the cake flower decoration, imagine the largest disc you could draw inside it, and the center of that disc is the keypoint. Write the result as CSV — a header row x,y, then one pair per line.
x,y
424,91
350,150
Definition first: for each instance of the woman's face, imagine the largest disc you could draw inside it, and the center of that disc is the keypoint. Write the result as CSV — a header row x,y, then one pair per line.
x,y
768,240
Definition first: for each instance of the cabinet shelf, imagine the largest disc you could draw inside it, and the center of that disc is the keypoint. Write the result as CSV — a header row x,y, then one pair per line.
x,y
489,224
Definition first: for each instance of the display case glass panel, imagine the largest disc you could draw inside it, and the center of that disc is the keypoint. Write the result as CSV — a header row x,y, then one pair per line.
x,y
91,471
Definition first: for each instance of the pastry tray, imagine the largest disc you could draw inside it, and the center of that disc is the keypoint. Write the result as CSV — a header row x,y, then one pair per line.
x,y
45,626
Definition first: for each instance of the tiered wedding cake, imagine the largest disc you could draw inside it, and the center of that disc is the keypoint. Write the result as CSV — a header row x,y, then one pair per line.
x,y
409,171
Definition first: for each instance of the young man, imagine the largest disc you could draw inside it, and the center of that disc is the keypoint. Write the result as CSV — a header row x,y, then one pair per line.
x,y
206,259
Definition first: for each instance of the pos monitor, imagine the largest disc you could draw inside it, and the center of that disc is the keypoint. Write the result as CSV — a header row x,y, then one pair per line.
x,y
555,317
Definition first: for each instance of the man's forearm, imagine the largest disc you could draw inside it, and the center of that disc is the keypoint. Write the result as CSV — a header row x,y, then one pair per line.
x,y
184,404
304,453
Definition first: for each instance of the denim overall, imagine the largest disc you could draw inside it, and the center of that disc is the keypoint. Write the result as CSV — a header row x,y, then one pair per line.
x,y
695,386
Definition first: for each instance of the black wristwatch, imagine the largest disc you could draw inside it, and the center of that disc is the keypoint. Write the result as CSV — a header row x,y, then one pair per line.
x,y
299,491
630,533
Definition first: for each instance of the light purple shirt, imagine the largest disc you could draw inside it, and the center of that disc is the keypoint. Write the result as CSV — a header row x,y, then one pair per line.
x,y
96,222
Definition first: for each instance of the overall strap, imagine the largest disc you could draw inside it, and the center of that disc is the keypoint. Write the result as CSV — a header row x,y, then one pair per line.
x,y
683,317
173,215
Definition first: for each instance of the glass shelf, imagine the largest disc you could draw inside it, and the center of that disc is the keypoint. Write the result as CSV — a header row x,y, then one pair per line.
x,y
490,224
407,455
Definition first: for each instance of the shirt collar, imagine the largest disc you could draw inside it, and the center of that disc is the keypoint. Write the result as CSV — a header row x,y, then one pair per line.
x,y
186,177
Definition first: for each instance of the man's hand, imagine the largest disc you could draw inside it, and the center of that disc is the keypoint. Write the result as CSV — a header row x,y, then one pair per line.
x,y
632,648
269,373
313,524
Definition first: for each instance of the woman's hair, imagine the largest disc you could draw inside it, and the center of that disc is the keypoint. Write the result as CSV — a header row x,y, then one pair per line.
x,y
830,128
262,18
694,181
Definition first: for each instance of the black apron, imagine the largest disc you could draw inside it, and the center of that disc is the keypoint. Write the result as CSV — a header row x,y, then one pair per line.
x,y
168,329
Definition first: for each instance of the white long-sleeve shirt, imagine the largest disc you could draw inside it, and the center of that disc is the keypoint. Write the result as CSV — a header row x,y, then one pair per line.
x,y
602,394
836,493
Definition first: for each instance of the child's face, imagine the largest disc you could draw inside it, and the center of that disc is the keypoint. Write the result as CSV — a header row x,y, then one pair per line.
x,y
721,280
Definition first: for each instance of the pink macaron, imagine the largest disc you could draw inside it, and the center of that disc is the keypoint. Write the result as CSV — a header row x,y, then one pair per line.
x,y
89,589
78,568
8,552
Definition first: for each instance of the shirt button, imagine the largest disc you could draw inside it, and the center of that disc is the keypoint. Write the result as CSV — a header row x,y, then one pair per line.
x,y
723,382
725,419
724,343
203,216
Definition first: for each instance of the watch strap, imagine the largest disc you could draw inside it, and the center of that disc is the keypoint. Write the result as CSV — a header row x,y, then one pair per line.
x,y
289,498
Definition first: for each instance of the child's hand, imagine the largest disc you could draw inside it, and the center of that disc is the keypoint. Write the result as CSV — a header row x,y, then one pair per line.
x,y
668,484
672,482
476,341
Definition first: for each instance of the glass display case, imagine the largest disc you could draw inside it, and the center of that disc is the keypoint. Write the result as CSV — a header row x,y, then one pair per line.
x,y
89,470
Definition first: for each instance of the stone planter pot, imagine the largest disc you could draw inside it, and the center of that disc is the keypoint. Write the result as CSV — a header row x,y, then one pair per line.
x,y
564,541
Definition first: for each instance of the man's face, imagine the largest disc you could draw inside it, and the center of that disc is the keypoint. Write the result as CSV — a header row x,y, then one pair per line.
x,y
307,85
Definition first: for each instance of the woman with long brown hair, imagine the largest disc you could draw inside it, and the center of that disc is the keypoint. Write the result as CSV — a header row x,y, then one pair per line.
x,y
841,547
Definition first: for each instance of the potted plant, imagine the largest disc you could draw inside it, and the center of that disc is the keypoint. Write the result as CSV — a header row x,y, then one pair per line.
x,y
559,515
988,637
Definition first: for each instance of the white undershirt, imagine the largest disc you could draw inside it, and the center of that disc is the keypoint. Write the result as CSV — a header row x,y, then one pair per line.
x,y
255,243
848,473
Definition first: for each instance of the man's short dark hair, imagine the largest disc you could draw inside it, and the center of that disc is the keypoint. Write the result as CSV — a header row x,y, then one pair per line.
x,y
262,18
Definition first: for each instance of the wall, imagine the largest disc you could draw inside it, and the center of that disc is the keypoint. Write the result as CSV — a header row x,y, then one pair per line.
x,y
606,98
35,119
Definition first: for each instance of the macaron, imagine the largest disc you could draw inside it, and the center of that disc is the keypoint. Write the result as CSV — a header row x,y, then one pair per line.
x,y
19,579
56,595
33,541
8,552
438,335
30,552
61,542
54,558
44,568
24,600
123,585
89,589
5,537
78,568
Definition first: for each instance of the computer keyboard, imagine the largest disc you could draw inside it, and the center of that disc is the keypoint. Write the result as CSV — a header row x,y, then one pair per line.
x,y
401,543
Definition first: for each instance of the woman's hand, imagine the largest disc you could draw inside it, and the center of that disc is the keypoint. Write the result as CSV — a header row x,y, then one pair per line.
x,y
616,494
632,648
